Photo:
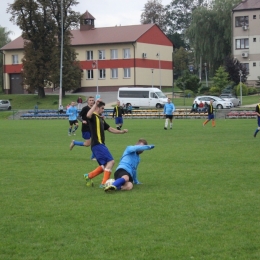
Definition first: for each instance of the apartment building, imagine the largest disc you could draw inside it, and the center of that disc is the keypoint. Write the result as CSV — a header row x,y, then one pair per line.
x,y
110,57
246,37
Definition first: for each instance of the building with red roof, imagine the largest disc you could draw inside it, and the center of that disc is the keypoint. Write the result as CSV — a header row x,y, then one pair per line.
x,y
110,57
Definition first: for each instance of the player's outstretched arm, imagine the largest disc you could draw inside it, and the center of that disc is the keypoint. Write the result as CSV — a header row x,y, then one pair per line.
x,y
139,148
116,131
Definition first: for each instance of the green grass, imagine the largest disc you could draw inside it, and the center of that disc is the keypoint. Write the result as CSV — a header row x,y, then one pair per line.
x,y
199,198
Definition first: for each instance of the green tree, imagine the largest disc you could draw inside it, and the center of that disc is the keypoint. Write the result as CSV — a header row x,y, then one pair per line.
x,y
180,59
244,89
233,67
40,22
188,81
38,31
220,79
210,30
4,39
154,13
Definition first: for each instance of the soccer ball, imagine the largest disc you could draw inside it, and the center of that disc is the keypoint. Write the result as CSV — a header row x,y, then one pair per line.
x,y
109,182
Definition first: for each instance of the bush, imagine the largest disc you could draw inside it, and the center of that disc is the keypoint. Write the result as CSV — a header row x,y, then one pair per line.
x,y
215,91
252,91
244,89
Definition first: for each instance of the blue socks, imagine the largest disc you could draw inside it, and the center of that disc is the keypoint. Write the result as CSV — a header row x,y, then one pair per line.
x,y
78,143
118,183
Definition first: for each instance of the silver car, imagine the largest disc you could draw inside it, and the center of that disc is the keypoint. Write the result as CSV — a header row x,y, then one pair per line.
x,y
217,101
5,105
232,98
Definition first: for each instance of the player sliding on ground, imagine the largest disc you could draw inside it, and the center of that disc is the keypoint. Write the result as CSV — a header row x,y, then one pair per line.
x,y
126,172
104,158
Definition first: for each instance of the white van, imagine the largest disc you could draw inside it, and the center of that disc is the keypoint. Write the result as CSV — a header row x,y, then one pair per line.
x,y
142,97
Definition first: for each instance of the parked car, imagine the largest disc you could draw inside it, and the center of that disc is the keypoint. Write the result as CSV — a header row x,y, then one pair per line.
x,y
5,105
217,103
232,98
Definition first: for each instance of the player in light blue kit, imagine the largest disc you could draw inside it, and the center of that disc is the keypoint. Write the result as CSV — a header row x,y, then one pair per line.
x,y
126,172
168,111
72,112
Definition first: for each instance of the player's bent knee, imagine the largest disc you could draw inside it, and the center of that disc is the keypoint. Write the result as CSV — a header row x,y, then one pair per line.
x,y
127,186
126,177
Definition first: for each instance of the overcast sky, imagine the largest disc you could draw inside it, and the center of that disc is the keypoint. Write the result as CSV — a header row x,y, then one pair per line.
x,y
107,13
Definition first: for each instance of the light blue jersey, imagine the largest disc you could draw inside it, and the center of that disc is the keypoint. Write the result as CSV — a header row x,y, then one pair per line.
x,y
130,159
169,108
72,112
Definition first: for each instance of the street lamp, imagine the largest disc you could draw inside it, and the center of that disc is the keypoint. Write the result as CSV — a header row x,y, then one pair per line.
x,y
152,77
61,56
159,56
240,75
205,64
95,66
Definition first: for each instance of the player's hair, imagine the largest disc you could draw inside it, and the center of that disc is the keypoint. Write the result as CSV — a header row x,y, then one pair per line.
x,y
101,103
89,97
141,140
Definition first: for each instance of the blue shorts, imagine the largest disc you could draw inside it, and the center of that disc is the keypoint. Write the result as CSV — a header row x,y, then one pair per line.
x,y
86,135
210,116
102,154
119,120
258,120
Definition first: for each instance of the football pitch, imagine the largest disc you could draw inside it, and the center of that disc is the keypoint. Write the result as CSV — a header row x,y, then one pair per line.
x,y
199,197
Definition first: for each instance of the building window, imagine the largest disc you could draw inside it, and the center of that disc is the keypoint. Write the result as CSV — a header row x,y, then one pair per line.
x,y
89,55
101,55
254,39
254,64
242,43
102,74
254,16
126,53
15,59
241,21
114,54
90,74
246,65
114,73
127,73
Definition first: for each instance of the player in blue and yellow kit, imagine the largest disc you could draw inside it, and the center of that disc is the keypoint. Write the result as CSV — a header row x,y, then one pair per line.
x,y
118,112
103,156
257,111
72,112
126,172
210,114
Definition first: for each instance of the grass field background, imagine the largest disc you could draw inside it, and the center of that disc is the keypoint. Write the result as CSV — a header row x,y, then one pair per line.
x,y
199,198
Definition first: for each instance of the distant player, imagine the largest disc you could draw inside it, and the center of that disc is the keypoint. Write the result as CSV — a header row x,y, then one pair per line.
x,y
210,114
168,111
85,128
103,156
126,172
257,111
118,113
72,112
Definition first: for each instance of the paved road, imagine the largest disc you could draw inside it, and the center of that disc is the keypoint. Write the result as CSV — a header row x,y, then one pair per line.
x,y
108,97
